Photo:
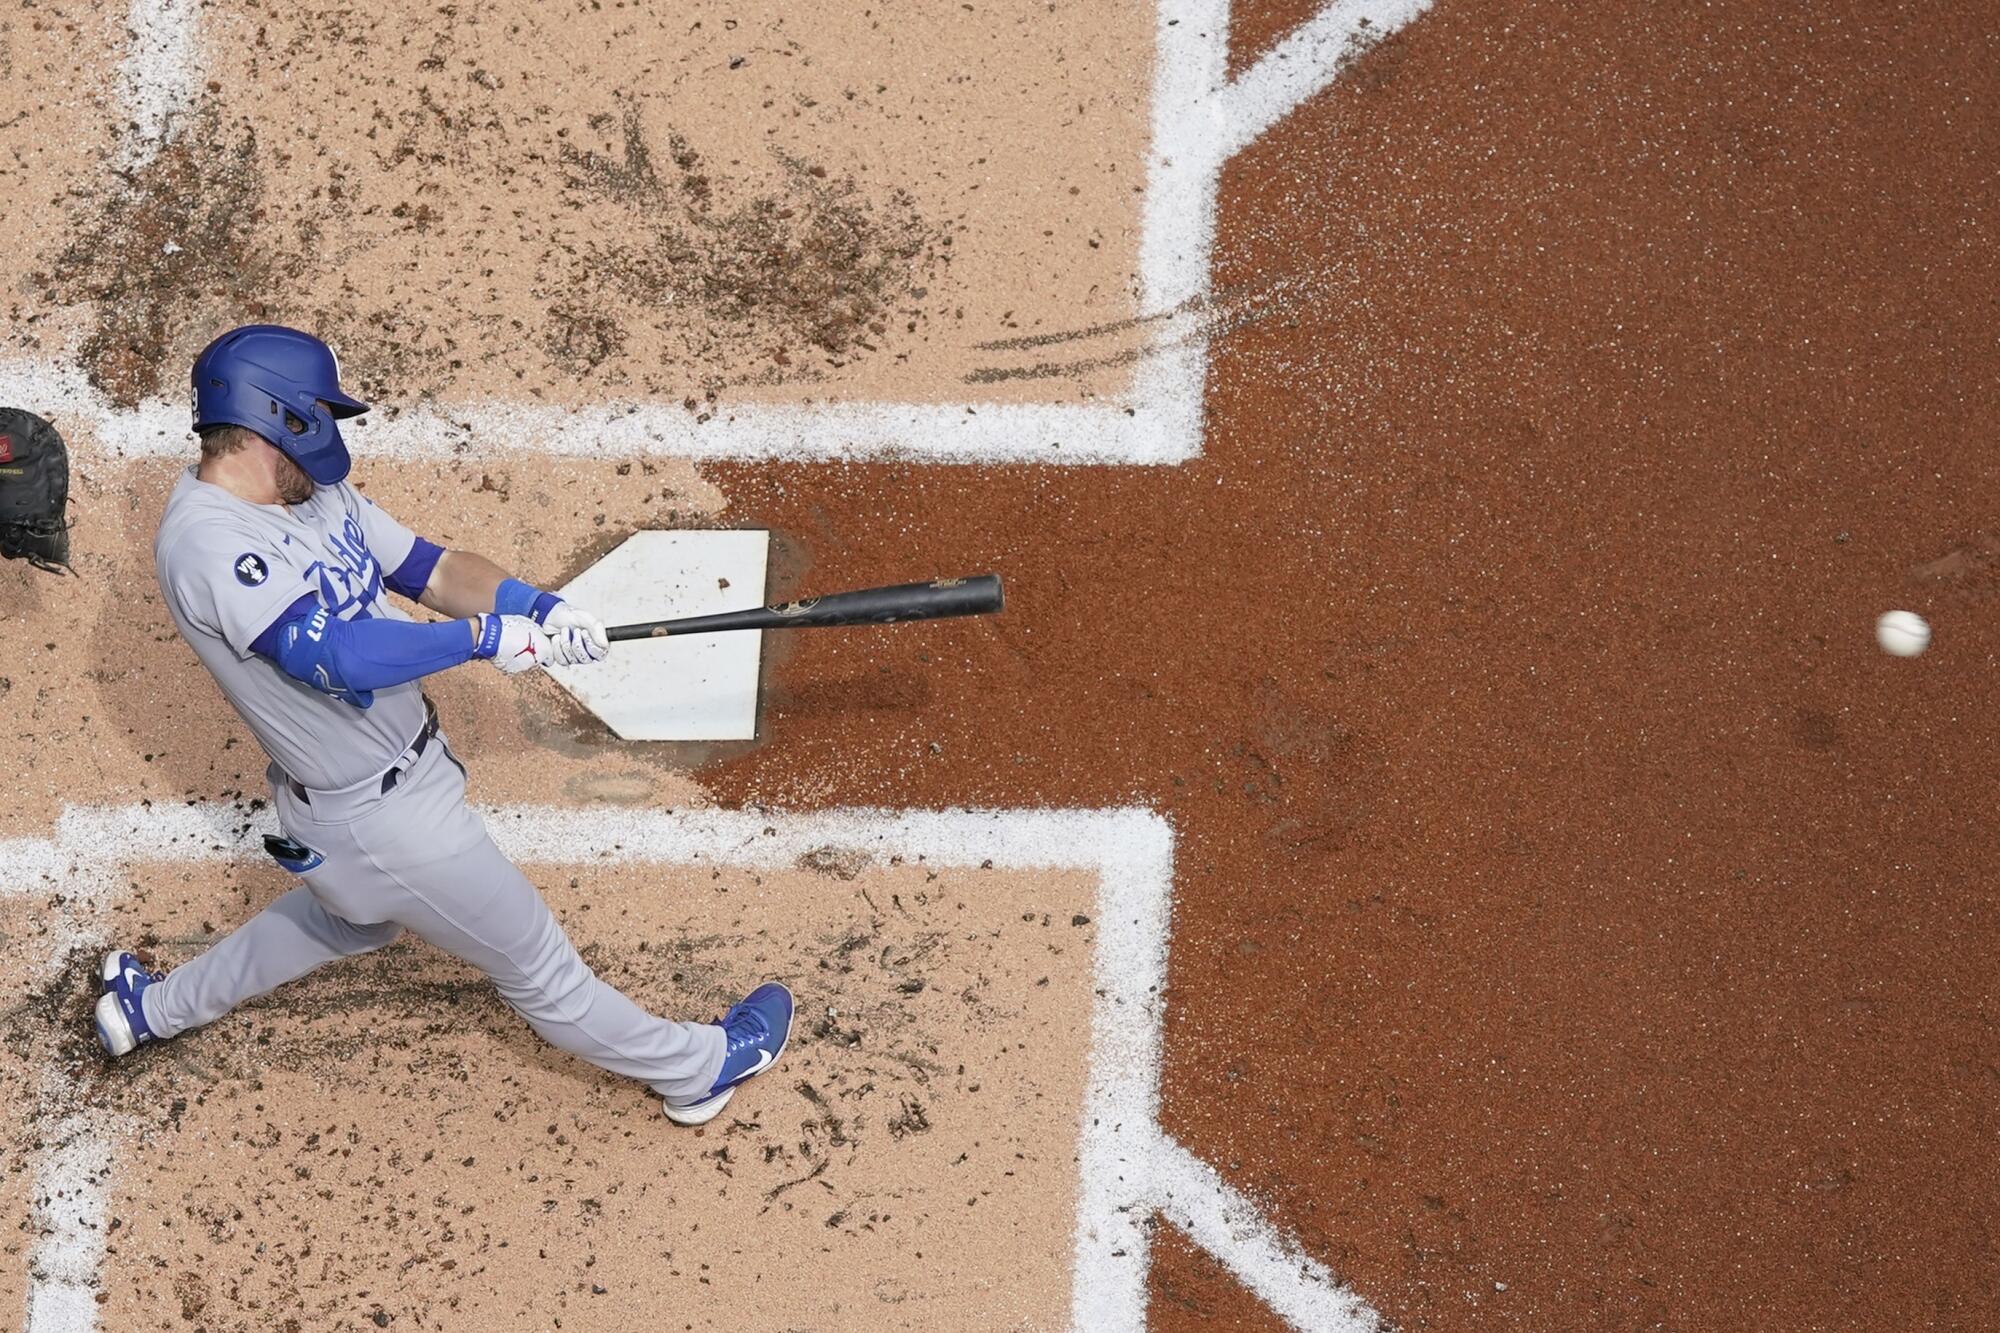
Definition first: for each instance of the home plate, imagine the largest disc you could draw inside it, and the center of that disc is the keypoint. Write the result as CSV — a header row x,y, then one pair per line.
x,y
697,687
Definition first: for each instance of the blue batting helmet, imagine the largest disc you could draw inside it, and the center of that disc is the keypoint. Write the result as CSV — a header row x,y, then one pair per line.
x,y
285,386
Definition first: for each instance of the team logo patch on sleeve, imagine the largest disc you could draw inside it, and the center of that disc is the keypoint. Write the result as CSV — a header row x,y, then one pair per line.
x,y
251,571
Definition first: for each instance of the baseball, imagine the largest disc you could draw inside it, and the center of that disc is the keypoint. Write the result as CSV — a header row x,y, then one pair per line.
x,y
1902,633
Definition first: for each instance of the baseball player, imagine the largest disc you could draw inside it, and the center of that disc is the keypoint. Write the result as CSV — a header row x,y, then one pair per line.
x,y
275,569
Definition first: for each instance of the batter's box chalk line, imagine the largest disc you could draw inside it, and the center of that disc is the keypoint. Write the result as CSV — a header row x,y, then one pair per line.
x,y
1130,1171
1199,119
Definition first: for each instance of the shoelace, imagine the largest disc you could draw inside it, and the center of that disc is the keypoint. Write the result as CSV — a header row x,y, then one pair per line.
x,y
745,1029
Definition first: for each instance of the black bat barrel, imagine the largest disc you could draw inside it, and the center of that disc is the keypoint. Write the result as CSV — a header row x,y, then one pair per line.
x,y
942,599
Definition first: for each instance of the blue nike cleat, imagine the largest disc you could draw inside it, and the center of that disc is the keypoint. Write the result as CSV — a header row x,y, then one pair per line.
x,y
755,1033
121,1020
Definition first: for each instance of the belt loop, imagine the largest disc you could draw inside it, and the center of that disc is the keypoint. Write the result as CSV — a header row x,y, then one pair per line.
x,y
415,749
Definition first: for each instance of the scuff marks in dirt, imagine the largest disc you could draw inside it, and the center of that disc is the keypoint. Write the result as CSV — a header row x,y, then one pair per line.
x,y
395,1091
170,255
801,271
692,275
581,338
53,1019
1125,342
841,863
309,1027
911,1119
1968,571
762,277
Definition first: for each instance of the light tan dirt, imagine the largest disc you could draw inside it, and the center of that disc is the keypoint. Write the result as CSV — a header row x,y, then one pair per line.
x,y
569,206
386,1136
636,201
56,127
102,702
16,1236
24,926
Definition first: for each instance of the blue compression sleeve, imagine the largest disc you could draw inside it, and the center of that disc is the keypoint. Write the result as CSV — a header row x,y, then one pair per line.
x,y
350,659
266,644
414,574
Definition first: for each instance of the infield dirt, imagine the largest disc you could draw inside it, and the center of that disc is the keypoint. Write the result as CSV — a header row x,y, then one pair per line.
x,y
686,203
1578,922
386,1136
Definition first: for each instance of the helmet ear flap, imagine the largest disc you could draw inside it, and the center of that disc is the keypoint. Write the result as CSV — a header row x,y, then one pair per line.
x,y
284,385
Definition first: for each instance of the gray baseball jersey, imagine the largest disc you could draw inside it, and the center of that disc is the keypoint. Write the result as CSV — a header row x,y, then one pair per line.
x,y
380,860
230,569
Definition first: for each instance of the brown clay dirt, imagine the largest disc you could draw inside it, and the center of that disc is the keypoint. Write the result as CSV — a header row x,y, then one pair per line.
x,y
1580,923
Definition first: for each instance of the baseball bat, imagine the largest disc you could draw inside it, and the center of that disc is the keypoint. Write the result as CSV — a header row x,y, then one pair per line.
x,y
979,595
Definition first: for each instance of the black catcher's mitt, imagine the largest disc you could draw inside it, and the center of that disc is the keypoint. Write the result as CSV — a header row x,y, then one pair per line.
x,y
34,491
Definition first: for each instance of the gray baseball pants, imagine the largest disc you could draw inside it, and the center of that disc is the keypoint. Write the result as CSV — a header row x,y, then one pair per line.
x,y
418,859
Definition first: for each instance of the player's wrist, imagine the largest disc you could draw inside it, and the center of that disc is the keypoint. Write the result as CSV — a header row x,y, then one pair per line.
x,y
485,635
515,598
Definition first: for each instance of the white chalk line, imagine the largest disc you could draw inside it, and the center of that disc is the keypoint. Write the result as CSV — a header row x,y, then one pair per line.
x,y
1299,1289
1128,1169
1199,120
1305,63
1060,434
69,1206
158,78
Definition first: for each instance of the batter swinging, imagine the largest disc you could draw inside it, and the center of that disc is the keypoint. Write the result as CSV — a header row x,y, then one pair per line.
x,y
274,569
